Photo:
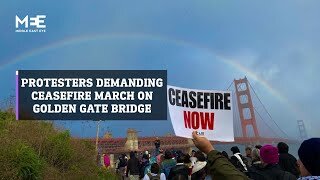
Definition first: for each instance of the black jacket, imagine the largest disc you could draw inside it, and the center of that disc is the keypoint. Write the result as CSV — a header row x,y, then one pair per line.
x,y
133,166
270,172
288,163
234,160
179,169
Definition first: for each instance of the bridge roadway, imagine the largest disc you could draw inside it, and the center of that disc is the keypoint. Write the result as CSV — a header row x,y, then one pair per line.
x,y
125,145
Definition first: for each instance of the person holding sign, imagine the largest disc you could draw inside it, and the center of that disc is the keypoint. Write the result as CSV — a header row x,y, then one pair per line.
x,y
219,166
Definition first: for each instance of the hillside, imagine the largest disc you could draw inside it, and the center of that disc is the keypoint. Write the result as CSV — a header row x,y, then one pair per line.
x,y
38,150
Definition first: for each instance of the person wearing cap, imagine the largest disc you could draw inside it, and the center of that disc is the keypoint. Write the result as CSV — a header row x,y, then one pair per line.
x,y
218,166
271,169
309,159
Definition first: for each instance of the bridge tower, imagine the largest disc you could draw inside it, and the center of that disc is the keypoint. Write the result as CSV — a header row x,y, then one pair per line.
x,y
245,106
132,140
302,130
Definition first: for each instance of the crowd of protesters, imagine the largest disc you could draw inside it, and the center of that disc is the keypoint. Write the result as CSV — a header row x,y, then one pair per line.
x,y
266,162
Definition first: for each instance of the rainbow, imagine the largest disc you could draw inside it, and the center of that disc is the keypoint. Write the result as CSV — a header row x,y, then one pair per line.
x,y
152,37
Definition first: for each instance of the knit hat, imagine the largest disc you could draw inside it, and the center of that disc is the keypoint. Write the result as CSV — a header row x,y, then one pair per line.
x,y
269,154
309,154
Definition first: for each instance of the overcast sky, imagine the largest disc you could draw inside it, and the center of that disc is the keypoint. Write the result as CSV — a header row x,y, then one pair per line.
x,y
203,44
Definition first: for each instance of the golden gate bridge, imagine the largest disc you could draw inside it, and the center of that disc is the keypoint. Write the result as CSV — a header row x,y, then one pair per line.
x,y
253,124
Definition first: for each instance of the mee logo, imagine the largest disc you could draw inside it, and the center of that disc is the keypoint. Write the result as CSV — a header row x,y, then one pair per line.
x,y
31,23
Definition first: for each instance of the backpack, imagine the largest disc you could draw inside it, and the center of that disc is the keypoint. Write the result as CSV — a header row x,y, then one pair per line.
x,y
157,177
122,162
145,168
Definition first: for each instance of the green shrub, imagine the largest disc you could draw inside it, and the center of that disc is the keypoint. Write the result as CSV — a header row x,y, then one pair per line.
x,y
57,150
20,161
39,150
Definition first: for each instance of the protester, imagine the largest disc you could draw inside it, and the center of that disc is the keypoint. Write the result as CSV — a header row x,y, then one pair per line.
x,y
121,165
256,160
257,167
133,167
157,145
193,159
287,161
106,160
148,154
309,155
167,163
188,162
180,168
160,157
271,170
155,173
218,167
145,165
238,160
248,156
199,169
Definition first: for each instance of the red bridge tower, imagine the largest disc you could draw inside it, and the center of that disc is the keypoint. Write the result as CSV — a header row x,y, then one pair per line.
x,y
245,106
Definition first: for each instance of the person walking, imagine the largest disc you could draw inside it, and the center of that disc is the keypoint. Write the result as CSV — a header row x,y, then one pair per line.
x,y
121,165
133,167
145,165
106,160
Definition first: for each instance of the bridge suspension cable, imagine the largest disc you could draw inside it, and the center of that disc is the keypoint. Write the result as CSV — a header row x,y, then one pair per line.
x,y
286,135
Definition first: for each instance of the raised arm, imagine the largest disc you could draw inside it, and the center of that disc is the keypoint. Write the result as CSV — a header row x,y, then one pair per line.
x,y
219,166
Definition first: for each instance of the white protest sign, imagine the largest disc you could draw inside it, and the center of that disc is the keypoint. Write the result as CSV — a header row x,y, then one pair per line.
x,y
207,111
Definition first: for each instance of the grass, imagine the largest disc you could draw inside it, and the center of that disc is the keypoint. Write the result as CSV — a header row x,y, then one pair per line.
x,y
38,150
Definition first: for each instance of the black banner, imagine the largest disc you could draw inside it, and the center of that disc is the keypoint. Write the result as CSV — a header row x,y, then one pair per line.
x,y
92,95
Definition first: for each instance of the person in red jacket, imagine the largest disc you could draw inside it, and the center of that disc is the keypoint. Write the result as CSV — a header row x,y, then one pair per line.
x,y
106,160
